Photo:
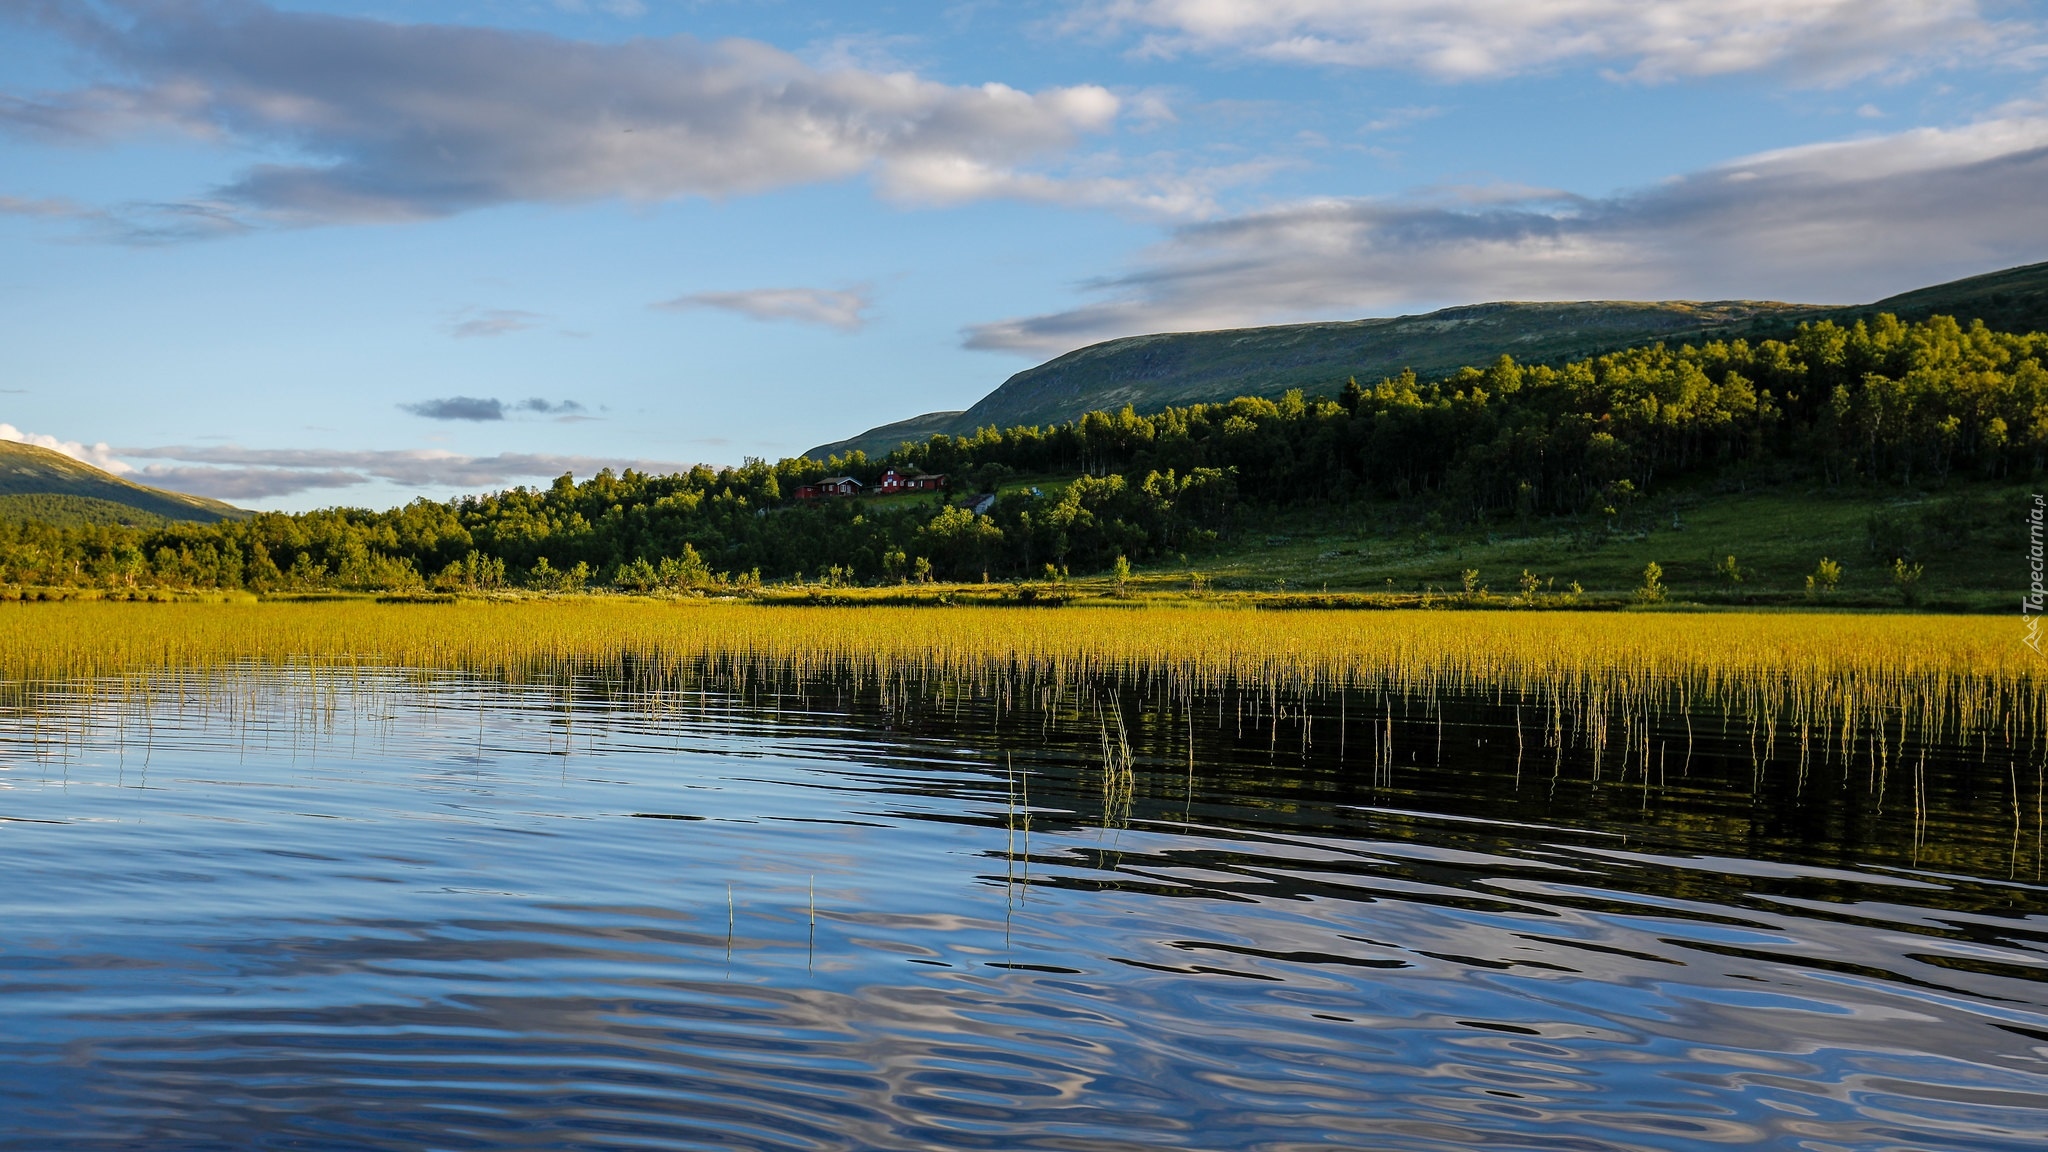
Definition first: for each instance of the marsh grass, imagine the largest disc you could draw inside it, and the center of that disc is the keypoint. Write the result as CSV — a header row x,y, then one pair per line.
x,y
1837,685
1901,711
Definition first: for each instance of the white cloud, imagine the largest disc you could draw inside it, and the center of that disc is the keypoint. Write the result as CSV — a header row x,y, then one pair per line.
x,y
97,455
844,310
404,121
1823,40
1842,222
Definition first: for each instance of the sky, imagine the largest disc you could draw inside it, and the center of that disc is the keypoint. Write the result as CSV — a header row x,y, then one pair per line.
x,y
295,255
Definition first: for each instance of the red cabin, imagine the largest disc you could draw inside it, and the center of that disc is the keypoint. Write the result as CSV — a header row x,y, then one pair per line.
x,y
829,486
893,482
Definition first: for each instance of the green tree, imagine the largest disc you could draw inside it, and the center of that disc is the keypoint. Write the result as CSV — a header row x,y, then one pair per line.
x,y
961,542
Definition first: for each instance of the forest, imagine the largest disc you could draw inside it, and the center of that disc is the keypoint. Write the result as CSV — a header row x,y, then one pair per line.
x,y
1877,403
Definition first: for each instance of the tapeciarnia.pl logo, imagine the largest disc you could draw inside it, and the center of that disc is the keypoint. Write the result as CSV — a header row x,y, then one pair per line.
x,y
2036,599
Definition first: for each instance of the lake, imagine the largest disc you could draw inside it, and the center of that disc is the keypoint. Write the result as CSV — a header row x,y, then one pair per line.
x,y
281,908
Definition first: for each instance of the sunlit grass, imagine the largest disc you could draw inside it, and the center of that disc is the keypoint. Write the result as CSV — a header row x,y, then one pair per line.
x,y
1832,673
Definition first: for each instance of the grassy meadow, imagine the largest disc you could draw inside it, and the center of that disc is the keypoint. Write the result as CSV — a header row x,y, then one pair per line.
x,y
1968,542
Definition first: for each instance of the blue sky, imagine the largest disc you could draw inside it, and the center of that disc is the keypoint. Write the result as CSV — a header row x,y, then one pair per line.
x,y
295,255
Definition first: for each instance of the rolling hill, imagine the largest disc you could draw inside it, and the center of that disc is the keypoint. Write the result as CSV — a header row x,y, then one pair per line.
x,y
40,484
876,441
1153,372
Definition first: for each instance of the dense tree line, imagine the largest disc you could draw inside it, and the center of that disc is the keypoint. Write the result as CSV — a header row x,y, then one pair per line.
x,y
1878,402
698,530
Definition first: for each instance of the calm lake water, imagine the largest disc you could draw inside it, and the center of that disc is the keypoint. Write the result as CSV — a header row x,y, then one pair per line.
x,y
274,910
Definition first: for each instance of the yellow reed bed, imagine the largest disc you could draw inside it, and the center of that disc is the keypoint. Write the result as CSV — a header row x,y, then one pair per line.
x,y
1944,673
97,638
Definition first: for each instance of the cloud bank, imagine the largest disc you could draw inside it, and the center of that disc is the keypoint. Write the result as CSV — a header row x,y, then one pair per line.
x,y
845,310
233,484
1844,222
1817,40
231,472
377,121
235,473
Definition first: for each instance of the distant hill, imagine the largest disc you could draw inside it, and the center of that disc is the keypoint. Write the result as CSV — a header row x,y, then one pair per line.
x,y
40,484
877,441
1153,372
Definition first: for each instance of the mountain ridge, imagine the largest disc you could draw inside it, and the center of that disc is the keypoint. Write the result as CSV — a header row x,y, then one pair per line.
x,y
1158,370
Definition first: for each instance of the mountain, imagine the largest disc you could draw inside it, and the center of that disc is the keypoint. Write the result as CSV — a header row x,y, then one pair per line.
x,y
40,484
1152,372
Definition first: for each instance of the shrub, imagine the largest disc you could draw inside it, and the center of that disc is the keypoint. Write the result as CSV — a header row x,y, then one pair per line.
x,y
1652,589
1826,576
1906,580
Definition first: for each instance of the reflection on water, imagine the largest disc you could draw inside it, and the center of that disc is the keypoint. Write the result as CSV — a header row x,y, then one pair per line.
x,y
278,910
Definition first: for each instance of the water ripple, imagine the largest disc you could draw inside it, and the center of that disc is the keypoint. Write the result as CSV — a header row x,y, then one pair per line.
x,y
472,916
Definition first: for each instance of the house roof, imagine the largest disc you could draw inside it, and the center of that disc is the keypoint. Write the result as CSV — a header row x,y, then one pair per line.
x,y
839,480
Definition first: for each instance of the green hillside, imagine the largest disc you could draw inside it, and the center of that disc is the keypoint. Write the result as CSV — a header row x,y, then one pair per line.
x,y
39,484
2014,300
74,511
878,441
1153,372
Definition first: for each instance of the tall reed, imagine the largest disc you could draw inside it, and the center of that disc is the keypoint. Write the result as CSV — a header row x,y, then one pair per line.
x,y
1839,679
